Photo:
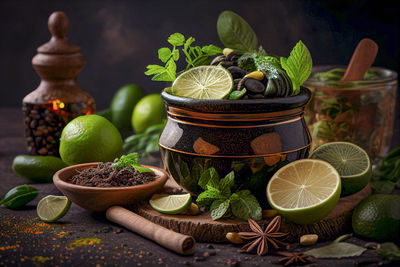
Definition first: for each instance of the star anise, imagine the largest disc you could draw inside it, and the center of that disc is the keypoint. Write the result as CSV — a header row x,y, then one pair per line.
x,y
261,238
293,257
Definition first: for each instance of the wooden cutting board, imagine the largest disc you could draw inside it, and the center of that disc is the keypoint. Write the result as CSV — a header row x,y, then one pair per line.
x,y
204,229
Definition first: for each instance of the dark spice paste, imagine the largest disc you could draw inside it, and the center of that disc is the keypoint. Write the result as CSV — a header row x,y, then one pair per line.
x,y
105,175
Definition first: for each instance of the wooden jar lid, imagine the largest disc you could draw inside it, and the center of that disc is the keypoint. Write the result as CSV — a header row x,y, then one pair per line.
x,y
58,25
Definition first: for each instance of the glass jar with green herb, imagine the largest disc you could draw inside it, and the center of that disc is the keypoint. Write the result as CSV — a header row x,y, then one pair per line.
x,y
361,112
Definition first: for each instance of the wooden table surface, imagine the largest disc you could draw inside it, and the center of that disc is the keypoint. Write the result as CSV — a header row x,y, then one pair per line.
x,y
26,241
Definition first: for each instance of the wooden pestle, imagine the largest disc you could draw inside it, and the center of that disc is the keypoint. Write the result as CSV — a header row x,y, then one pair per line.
x,y
180,243
362,58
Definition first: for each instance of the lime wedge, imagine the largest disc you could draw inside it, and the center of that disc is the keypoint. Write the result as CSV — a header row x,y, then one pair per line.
x,y
170,204
52,208
204,82
304,191
350,160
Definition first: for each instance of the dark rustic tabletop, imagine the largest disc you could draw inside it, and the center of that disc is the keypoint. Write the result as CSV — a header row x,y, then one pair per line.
x,y
84,238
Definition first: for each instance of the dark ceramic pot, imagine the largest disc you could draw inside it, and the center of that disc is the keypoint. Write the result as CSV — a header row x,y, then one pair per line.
x,y
252,137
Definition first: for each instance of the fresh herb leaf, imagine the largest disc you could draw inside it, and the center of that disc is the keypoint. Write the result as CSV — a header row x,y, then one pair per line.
x,y
154,69
219,208
245,205
336,250
235,95
208,176
298,65
130,160
389,167
211,50
226,183
389,250
235,33
164,53
176,39
204,199
144,143
19,196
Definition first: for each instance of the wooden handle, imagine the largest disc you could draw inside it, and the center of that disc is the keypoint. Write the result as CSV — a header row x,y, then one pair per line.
x,y
363,57
182,244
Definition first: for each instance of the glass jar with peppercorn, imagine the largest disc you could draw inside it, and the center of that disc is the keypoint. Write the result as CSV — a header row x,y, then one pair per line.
x,y
58,99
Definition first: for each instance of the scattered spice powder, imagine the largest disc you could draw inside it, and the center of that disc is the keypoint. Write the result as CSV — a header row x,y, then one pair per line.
x,y
105,175
89,241
41,259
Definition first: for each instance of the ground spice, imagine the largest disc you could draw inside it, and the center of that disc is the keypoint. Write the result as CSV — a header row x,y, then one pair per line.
x,y
41,259
89,241
9,247
105,175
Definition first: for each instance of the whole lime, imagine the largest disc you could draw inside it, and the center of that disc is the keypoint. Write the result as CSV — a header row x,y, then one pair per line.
x,y
378,217
90,138
39,169
148,111
122,106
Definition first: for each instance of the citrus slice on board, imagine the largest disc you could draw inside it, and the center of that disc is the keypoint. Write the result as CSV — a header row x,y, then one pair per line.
x,y
170,204
304,191
52,208
204,82
350,160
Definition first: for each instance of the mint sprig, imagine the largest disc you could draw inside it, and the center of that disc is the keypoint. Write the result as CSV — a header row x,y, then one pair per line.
x,y
130,160
298,65
195,56
220,200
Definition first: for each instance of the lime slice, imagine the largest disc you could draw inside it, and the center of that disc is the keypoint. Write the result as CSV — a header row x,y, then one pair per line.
x,y
204,82
304,191
52,208
170,204
350,160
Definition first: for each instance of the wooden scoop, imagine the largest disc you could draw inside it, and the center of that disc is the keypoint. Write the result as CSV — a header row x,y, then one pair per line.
x,y
363,57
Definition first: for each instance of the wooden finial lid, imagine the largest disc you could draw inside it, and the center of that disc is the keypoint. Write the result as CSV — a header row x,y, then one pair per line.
x,y
58,25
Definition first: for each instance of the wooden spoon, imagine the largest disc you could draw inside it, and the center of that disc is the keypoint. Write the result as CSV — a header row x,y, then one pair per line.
x,y
363,57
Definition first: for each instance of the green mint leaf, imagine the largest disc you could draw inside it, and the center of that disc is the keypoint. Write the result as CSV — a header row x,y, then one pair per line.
x,y
175,55
164,77
164,53
205,198
218,208
142,169
235,33
211,50
389,250
208,177
154,69
176,39
226,183
244,205
188,43
298,65
274,62
129,160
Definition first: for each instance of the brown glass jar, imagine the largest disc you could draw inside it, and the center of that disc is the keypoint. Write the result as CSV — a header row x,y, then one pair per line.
x,y
58,99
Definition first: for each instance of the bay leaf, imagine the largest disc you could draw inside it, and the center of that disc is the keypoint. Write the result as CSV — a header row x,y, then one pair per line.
x,y
336,250
235,33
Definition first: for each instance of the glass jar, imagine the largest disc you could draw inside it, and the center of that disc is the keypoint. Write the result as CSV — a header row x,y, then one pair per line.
x,y
360,112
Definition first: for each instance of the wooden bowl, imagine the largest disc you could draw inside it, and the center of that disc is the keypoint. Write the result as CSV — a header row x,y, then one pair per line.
x,y
101,198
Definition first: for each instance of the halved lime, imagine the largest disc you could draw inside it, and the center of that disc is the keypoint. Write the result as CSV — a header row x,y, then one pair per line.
x,y
170,204
204,82
350,160
304,191
52,208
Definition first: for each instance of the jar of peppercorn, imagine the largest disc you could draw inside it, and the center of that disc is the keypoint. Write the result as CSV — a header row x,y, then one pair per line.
x,y
58,99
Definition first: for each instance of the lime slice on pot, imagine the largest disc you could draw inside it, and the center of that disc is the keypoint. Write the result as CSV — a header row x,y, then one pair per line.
x,y
204,82
52,208
170,204
304,191
350,160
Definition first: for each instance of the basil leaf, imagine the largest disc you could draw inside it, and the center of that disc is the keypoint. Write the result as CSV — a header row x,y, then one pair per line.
x,y
19,196
218,208
235,33
298,65
207,176
336,250
164,53
244,205
176,39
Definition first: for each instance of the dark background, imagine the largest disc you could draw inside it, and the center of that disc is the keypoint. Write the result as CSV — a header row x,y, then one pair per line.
x,y
119,38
